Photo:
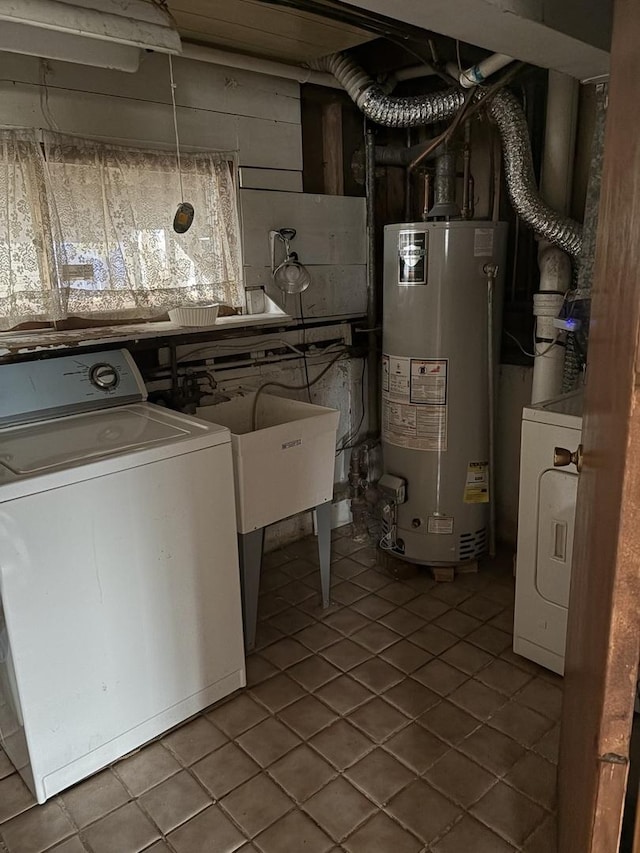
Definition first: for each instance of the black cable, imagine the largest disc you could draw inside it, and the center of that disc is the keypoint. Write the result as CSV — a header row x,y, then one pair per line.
x,y
304,351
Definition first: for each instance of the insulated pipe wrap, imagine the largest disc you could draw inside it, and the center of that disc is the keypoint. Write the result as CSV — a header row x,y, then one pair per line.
x,y
503,108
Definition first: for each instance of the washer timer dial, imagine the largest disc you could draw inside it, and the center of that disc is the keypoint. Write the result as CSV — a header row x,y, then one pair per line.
x,y
104,376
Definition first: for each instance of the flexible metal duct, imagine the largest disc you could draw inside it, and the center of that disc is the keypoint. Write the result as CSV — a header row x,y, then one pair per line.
x,y
503,108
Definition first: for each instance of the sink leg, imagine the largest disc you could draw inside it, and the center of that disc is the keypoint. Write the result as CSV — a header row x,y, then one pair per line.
x,y
250,551
323,520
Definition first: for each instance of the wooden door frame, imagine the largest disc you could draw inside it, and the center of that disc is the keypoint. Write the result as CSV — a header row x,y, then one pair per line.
x,y
602,640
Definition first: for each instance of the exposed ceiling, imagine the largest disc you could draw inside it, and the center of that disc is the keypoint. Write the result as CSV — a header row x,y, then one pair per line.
x,y
250,26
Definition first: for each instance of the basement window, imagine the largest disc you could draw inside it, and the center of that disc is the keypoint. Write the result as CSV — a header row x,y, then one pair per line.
x,y
86,232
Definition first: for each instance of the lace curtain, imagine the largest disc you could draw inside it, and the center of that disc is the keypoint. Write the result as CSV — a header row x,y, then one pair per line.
x,y
90,231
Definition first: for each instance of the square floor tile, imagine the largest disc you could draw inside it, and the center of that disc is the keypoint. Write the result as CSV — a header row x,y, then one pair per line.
x,y
343,694
480,607
15,797
338,808
544,839
238,715
406,656
347,568
292,834
504,621
175,801
270,604
307,716
285,652
37,829
146,768
277,692
94,798
398,593
373,606
378,719
520,723
452,593
372,579
440,677
268,741
492,749
346,654
379,776
74,845
467,658
375,637
257,804
259,669
423,810
266,634
225,769
381,834
417,748
295,592
273,579
472,836
346,546
505,677
549,745
535,777
448,722
6,767
411,697
460,779
291,620
318,636
433,639
196,835
346,620
478,699
427,607
125,829
341,743
313,672
490,639
301,773
377,675
402,621
457,623
543,697
347,592
509,813
367,557
194,740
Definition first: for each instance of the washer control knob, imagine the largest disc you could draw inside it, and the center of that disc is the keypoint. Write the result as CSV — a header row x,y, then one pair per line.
x,y
104,376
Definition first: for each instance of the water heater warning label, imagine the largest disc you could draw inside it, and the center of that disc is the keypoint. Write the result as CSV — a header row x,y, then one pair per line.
x,y
476,489
414,402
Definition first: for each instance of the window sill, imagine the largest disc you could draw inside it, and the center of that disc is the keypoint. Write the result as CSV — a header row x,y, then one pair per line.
x,y
28,342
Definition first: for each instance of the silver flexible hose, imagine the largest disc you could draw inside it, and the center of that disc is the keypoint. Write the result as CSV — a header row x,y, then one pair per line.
x,y
503,108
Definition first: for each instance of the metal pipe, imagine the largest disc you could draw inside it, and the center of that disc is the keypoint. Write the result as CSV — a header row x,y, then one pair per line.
x,y
407,184
466,170
427,195
471,185
491,271
372,308
476,74
444,202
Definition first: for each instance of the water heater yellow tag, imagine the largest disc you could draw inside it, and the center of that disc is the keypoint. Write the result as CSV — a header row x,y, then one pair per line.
x,y
476,490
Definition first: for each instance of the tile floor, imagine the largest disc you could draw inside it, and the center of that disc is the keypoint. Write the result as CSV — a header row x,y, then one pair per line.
x,y
398,721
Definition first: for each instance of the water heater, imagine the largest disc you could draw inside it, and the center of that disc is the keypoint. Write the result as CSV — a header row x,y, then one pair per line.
x,y
435,388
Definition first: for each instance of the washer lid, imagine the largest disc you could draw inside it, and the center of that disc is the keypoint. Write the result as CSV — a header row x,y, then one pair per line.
x,y
565,410
38,448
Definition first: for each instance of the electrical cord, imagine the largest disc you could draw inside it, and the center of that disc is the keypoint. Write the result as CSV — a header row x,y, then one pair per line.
x,y
260,389
533,354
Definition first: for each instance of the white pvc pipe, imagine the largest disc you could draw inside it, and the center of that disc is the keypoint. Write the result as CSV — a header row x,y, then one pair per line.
x,y
476,74
244,62
555,265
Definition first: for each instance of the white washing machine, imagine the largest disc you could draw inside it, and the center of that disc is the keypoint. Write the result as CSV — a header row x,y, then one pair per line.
x,y
546,518
120,607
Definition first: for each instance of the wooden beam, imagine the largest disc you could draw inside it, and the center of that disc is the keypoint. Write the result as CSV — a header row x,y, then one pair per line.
x,y
332,148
